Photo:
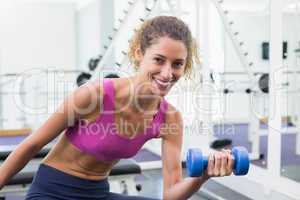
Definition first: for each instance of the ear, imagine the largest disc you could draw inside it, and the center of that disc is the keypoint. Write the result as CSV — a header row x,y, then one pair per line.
x,y
138,54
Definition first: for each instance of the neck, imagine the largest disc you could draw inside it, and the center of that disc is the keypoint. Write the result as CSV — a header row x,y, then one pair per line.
x,y
142,98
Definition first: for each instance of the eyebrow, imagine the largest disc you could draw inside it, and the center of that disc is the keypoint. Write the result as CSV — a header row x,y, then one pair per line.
x,y
159,55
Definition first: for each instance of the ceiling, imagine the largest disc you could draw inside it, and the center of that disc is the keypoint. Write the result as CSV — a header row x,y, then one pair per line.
x,y
257,5
78,3
242,5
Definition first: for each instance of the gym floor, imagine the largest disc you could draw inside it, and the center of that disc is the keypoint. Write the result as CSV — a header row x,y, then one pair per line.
x,y
151,181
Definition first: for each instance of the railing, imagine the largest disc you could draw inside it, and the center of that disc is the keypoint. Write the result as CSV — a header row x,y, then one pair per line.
x,y
27,99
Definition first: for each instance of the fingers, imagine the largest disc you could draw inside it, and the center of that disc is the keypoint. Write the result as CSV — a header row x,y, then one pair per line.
x,y
230,162
210,166
220,164
224,161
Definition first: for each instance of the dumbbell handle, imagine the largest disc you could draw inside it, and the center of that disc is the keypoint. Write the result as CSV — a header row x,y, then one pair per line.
x,y
197,162
205,161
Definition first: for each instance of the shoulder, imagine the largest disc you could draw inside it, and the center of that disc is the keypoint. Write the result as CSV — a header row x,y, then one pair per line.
x,y
173,122
173,115
120,83
99,86
87,93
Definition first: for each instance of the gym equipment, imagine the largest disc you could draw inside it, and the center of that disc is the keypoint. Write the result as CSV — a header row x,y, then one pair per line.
x,y
239,46
119,31
221,143
15,132
197,163
93,63
265,50
263,83
112,76
226,91
248,91
83,78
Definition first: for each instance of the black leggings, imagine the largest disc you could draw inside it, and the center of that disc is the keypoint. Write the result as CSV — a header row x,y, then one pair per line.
x,y
52,184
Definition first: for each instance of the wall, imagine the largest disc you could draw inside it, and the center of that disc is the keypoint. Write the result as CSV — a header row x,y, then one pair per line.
x,y
36,34
253,29
94,23
88,33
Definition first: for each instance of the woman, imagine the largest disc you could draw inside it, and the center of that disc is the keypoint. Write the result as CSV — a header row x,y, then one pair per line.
x,y
104,122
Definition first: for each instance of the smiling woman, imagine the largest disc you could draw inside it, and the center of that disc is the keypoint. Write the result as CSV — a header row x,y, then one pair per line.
x,y
120,115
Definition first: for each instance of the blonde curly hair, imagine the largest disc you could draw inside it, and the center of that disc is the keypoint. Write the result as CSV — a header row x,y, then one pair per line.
x,y
153,29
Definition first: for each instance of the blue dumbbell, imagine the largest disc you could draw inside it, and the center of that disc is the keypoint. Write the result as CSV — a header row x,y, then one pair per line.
x,y
197,163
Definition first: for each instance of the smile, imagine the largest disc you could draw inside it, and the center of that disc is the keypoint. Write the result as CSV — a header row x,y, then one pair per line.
x,y
162,84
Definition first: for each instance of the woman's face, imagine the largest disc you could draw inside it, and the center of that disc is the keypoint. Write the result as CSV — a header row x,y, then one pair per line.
x,y
162,64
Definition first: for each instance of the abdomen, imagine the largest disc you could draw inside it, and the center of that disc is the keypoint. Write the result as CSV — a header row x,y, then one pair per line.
x,y
66,157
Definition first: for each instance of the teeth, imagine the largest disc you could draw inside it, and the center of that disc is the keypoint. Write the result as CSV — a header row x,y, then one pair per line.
x,y
165,84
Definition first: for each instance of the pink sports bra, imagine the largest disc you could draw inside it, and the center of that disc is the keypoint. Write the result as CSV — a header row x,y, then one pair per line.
x,y
101,139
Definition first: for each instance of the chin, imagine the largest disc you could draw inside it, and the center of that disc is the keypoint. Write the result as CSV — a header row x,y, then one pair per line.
x,y
160,87
160,92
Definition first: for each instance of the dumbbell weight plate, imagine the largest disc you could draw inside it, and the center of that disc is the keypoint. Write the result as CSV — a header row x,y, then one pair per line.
x,y
241,161
194,162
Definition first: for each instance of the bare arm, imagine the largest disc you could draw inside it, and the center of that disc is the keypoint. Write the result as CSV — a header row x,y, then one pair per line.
x,y
82,101
175,187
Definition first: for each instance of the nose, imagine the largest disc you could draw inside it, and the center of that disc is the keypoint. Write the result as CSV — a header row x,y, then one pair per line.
x,y
166,72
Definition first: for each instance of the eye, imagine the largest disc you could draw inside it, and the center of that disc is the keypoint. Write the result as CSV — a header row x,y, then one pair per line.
x,y
158,60
177,64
